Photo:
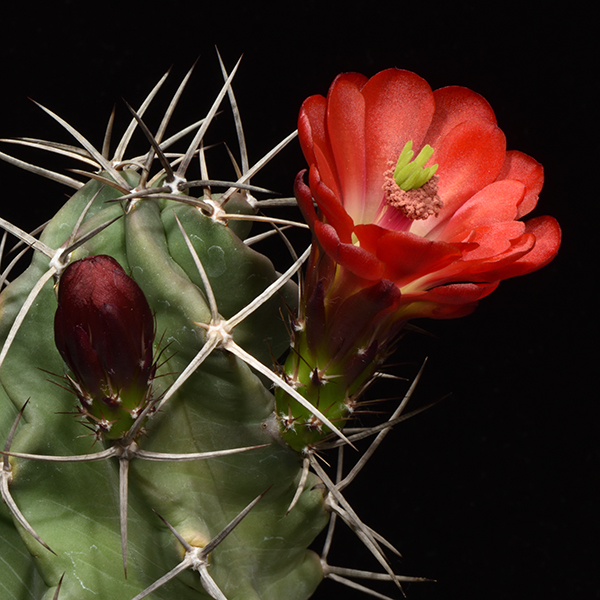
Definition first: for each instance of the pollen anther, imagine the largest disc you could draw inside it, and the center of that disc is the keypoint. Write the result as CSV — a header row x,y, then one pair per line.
x,y
416,204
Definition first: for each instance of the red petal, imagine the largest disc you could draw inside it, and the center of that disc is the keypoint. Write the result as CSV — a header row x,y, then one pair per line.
x,y
357,79
523,168
493,240
304,197
314,140
399,107
331,207
496,203
447,301
547,242
454,105
486,269
470,157
346,129
407,257
482,264
460,293
311,127
355,259
328,204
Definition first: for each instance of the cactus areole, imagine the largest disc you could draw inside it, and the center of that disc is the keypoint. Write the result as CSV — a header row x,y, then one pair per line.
x,y
148,313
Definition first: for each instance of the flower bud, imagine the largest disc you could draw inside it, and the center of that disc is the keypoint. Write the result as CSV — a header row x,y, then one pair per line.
x,y
104,330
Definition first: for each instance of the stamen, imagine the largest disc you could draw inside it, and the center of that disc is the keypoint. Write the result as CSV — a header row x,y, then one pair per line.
x,y
412,188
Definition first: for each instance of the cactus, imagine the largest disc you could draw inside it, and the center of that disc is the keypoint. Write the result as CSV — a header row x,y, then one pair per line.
x,y
80,515
153,444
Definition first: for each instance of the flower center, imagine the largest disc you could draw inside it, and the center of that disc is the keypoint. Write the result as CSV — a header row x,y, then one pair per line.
x,y
412,188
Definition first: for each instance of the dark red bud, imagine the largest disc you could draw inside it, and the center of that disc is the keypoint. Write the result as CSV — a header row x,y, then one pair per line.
x,y
104,330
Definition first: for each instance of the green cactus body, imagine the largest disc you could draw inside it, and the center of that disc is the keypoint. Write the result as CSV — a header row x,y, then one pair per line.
x,y
145,453
74,507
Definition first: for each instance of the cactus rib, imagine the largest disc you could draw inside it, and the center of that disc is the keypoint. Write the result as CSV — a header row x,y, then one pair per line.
x,y
6,479
196,558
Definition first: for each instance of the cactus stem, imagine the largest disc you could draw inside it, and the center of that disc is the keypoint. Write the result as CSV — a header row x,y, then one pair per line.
x,y
219,335
6,479
172,185
197,558
23,311
125,450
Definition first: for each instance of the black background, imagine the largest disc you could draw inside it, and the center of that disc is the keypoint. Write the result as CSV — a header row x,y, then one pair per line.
x,y
492,492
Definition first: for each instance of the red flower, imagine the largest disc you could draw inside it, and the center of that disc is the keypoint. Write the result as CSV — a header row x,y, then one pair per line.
x,y
445,236
104,330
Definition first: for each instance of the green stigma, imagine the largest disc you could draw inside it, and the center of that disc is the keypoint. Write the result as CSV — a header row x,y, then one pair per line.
x,y
409,174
